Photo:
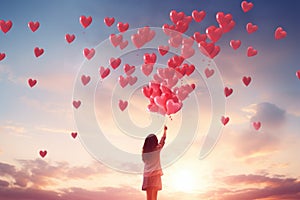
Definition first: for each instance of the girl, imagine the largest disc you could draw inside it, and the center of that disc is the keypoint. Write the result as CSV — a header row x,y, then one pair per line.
x,y
152,168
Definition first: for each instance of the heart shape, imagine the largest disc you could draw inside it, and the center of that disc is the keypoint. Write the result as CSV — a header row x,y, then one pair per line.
x,y
123,105
181,26
76,104
74,135
251,28
163,50
187,51
251,51
114,62
214,33
256,125
132,80
175,17
104,72
209,72
123,44
115,39
246,6
175,40
147,91
109,21
149,58
209,49
224,120
38,51
246,80
122,27
173,107
89,53
226,22
5,26
235,44
70,38
122,81
189,69
128,69
298,74
85,21
147,69
228,91
85,79
280,33
198,16
199,37
2,56
33,25
32,82
43,153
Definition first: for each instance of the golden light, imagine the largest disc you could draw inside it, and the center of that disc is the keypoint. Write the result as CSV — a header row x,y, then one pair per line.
x,y
184,181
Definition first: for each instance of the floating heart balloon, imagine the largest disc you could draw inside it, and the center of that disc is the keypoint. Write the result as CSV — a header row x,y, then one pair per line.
x,y
85,79
246,80
214,33
163,50
224,120
189,69
187,51
122,27
128,69
149,58
226,22
32,82
89,53
198,16
115,39
70,38
298,74
181,26
115,62
123,105
246,6
74,135
43,153
251,51
228,91
123,81
147,91
280,33
85,21
38,51
5,26
235,44
147,69
33,25
199,37
173,107
209,49
109,21
2,56
175,40
132,80
175,17
209,72
256,125
104,72
251,28
123,44
76,104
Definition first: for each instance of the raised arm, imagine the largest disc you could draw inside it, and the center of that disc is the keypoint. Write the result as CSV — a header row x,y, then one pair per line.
x,y
163,138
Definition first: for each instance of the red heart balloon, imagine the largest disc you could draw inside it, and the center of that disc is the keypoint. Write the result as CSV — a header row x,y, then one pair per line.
x,y
298,74
198,16
214,33
104,72
2,56
115,62
43,153
228,91
256,125
246,6
246,80
76,104
38,51
32,82
224,120
5,26
209,72
74,135
70,38
89,53
251,28
33,25
122,27
199,37
163,50
85,21
251,51
123,105
115,39
235,44
109,21
280,33
85,79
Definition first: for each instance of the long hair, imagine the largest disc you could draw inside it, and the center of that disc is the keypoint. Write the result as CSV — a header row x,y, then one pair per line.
x,y
150,143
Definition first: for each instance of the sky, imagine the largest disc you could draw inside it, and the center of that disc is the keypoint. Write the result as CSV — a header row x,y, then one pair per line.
x,y
104,161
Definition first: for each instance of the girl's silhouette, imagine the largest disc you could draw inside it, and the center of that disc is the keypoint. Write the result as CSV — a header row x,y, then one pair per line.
x,y
152,168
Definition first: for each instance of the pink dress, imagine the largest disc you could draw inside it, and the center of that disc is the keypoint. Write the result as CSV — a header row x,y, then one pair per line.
x,y
152,168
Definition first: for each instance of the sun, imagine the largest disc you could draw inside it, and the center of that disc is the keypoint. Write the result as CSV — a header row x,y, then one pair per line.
x,y
184,181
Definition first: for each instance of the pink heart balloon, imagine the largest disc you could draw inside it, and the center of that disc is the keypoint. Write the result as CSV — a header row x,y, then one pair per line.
x,y
228,91
224,120
123,105
246,6
76,104
89,53
256,125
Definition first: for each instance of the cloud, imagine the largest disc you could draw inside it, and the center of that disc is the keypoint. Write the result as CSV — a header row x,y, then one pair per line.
x,y
269,114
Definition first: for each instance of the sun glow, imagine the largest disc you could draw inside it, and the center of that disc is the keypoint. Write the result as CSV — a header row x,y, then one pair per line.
x,y
184,181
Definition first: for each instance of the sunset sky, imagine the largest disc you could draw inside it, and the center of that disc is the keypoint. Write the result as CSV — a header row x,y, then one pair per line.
x,y
245,163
